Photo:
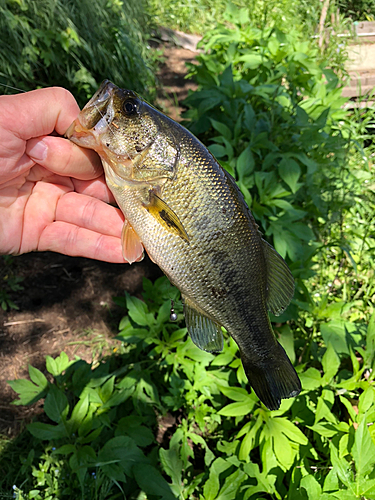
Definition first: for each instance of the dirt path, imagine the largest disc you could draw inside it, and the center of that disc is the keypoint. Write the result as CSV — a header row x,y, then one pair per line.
x,y
67,302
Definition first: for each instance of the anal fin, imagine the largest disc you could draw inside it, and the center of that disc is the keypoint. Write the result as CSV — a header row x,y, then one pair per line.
x,y
132,248
205,333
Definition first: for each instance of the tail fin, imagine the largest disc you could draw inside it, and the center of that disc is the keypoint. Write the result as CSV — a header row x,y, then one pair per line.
x,y
274,379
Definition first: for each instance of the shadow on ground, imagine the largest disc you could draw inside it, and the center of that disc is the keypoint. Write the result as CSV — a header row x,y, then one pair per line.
x,y
66,305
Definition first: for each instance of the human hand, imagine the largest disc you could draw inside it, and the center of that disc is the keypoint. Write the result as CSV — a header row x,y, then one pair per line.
x,y
53,194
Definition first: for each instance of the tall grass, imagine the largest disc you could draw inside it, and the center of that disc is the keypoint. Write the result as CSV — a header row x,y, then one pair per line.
x,y
75,45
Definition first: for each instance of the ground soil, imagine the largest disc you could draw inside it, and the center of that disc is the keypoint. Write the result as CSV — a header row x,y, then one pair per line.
x,y
67,303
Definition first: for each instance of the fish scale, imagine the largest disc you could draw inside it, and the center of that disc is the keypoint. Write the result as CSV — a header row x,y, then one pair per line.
x,y
191,218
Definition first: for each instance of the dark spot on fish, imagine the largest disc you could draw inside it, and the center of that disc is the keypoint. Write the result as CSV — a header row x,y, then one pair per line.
x,y
218,293
220,257
138,149
224,210
107,144
163,214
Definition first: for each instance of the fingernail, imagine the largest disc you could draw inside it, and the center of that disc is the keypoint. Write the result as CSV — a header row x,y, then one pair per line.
x,y
38,151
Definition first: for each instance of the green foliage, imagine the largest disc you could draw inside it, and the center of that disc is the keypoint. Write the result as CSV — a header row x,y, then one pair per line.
x,y
75,45
167,420
358,10
198,16
9,284
274,118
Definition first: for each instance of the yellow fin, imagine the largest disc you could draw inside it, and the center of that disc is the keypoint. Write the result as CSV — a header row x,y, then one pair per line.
x,y
165,216
132,248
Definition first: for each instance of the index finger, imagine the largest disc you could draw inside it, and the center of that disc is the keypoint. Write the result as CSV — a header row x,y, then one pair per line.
x,y
38,112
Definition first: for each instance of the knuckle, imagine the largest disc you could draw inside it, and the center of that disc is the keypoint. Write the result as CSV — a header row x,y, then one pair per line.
x,y
89,212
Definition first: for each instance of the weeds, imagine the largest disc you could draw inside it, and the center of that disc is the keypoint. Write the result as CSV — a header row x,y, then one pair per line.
x,y
10,283
103,433
76,46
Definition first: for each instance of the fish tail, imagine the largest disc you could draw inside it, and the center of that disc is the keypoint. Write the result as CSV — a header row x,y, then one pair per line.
x,y
273,379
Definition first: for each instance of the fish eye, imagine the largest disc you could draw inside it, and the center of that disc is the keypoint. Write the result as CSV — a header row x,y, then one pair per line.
x,y
130,107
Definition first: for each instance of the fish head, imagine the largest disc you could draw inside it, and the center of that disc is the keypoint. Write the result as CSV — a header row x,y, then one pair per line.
x,y
125,131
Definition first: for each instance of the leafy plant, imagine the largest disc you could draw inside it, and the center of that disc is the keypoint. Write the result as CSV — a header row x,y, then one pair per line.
x,y
274,118
167,420
358,10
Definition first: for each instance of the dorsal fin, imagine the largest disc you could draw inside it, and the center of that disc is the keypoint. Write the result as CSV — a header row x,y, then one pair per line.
x,y
280,281
205,333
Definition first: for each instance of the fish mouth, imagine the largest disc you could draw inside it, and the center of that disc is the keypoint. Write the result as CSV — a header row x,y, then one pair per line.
x,y
95,115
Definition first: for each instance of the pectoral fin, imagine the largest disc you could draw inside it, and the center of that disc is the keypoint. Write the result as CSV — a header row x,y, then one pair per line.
x,y
165,216
205,333
132,248
280,281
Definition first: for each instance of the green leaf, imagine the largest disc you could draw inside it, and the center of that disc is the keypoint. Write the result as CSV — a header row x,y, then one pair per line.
x,y
119,397
173,466
124,451
310,379
65,449
79,412
212,485
58,365
323,408
283,450
34,494
152,482
290,430
245,164
56,404
106,391
28,392
312,487
80,471
349,407
341,334
290,172
363,450
132,427
341,468
248,442
86,455
223,129
251,61
47,432
38,378
286,339
235,393
370,340
324,429
237,409
331,364
366,399
138,311
218,150
231,486
51,366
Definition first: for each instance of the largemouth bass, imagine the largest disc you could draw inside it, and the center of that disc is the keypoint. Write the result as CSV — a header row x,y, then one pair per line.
x,y
189,215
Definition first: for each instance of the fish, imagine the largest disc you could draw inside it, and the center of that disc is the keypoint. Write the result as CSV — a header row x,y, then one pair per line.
x,y
189,215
